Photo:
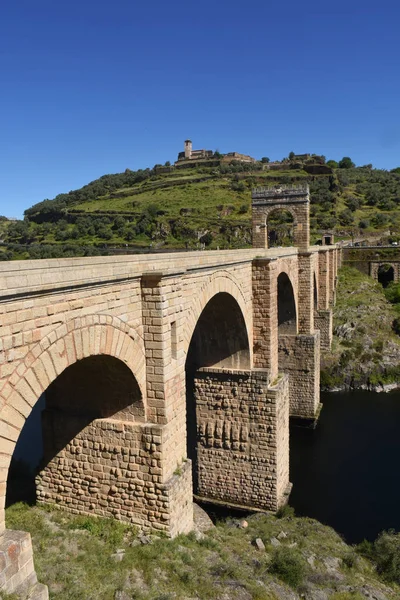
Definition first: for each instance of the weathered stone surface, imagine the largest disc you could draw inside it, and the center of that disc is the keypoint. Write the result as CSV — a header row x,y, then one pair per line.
x,y
259,544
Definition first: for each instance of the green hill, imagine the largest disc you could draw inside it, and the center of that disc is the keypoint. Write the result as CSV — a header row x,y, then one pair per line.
x,y
170,208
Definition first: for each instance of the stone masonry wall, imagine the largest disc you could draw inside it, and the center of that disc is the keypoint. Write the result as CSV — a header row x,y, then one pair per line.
x,y
323,321
243,438
111,469
17,571
299,357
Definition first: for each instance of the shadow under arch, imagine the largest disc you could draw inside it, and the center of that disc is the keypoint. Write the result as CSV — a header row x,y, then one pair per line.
x,y
219,340
95,387
287,313
315,294
385,274
74,341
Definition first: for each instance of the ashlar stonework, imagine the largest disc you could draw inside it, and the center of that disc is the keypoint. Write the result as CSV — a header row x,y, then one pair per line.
x,y
163,375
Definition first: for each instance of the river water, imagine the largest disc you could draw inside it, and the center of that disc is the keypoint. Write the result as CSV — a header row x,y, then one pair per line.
x,y
345,472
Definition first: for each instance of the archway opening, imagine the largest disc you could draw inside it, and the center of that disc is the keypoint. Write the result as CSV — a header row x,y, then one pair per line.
x,y
219,340
315,293
385,275
280,228
287,317
92,389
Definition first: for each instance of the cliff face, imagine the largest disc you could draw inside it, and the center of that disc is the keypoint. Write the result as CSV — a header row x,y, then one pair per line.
x,y
365,350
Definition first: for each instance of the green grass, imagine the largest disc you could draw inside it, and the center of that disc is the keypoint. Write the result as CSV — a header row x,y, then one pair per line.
x,y
73,556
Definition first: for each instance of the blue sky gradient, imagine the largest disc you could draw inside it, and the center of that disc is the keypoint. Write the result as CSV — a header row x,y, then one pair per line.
x,y
95,87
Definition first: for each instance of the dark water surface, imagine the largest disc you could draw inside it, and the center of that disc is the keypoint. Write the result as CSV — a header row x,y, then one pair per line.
x,y
346,473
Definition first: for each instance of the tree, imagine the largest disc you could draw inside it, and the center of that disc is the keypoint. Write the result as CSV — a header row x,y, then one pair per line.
x,y
265,159
333,164
346,163
345,217
167,164
217,154
291,155
363,224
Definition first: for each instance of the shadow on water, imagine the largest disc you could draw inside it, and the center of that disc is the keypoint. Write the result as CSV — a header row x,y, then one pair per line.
x,y
344,473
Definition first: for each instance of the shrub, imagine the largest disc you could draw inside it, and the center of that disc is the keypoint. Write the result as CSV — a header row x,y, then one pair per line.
x,y
386,554
285,511
363,224
288,565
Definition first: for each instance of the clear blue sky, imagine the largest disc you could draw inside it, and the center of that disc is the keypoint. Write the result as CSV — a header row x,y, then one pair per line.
x,y
91,87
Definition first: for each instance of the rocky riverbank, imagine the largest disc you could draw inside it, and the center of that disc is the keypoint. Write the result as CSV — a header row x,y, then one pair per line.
x,y
365,351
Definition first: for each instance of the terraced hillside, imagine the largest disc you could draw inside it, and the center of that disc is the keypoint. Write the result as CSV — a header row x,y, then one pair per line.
x,y
168,208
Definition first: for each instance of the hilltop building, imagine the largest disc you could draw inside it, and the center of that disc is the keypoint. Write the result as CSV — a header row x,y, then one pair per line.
x,y
190,154
205,156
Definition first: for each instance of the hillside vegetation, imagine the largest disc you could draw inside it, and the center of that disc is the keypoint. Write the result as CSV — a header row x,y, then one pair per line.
x,y
263,558
366,344
200,207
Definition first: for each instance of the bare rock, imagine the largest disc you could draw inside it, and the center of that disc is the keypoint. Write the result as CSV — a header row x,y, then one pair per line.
x,y
145,539
332,562
121,595
275,542
282,535
118,556
202,521
259,544
311,561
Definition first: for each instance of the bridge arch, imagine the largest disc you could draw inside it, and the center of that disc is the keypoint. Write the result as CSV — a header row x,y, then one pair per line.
x,y
385,274
221,283
286,304
315,292
219,340
280,223
74,343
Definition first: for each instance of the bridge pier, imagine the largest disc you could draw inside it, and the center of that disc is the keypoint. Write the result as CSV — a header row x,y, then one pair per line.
x,y
243,438
299,357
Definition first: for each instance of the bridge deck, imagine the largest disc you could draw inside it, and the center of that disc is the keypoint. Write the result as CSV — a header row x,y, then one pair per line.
x,y
32,276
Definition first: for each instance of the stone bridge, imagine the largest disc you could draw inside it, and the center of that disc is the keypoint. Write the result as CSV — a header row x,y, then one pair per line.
x,y
162,376
385,271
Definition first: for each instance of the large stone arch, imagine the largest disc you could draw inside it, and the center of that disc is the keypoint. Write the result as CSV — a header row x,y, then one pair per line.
x,y
216,284
78,339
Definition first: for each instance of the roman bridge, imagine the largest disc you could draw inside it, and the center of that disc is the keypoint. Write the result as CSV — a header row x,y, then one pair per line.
x,y
160,376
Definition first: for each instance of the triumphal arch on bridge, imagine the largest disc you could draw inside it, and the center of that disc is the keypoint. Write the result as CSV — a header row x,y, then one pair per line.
x,y
163,376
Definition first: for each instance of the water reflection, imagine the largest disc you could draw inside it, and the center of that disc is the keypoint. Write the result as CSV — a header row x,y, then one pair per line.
x,y
345,472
